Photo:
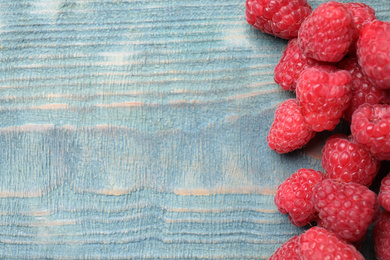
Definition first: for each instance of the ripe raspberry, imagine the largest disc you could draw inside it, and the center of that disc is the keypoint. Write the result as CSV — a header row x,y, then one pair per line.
x,y
327,33
362,14
319,243
294,196
384,193
373,51
288,131
382,236
291,65
281,18
370,129
346,209
363,91
289,250
345,161
323,94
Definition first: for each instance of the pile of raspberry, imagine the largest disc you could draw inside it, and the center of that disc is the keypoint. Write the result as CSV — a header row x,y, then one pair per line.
x,y
337,62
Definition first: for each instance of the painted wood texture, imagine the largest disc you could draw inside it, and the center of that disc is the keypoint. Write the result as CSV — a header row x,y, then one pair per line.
x,y
137,129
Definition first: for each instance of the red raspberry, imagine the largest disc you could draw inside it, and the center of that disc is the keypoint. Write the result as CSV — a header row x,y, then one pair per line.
x,y
323,94
384,193
363,91
362,14
370,128
327,33
382,236
345,161
291,65
346,209
319,243
294,196
288,131
289,250
281,18
373,51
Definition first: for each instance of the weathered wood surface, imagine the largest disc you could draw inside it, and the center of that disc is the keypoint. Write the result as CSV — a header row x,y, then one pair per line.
x,y
137,129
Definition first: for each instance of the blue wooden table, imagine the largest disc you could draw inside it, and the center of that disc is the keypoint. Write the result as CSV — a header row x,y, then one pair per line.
x,y
137,129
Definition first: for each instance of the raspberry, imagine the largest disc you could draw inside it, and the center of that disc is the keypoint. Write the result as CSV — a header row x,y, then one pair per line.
x,y
327,32
384,193
373,51
294,196
288,131
346,209
281,18
323,94
362,14
345,161
363,91
370,128
289,250
291,65
319,243
382,236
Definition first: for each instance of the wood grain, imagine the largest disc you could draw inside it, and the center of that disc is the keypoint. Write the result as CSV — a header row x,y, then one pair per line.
x,y
137,129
